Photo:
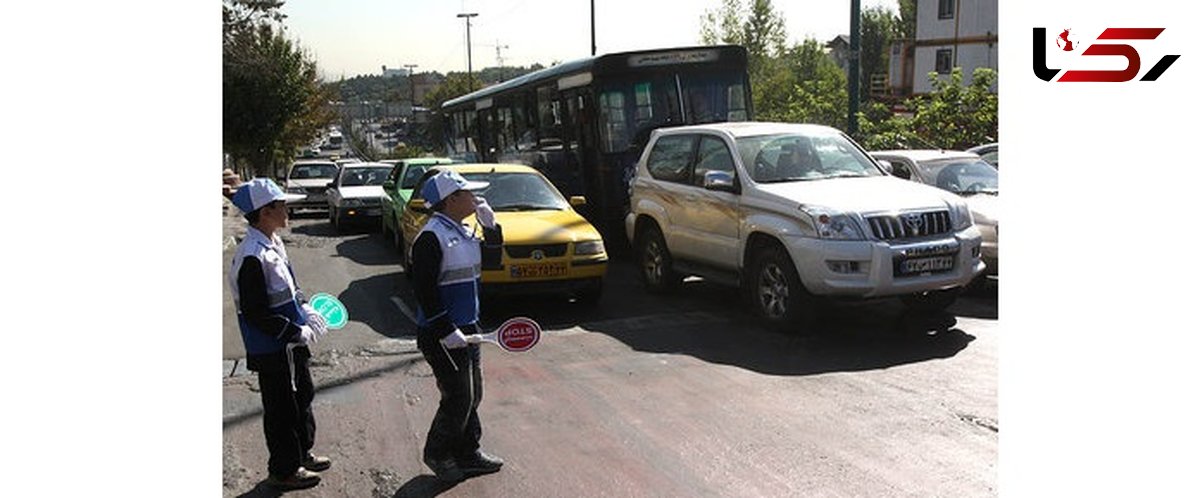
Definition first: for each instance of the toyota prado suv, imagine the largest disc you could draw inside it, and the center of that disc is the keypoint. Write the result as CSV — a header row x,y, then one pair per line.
x,y
791,213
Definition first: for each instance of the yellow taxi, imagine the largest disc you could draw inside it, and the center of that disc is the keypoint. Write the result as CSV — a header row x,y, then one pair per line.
x,y
548,247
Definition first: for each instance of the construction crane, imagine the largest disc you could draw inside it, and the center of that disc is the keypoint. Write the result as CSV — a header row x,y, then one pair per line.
x,y
498,47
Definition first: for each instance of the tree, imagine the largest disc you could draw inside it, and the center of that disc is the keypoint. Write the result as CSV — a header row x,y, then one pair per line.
x,y
761,30
906,24
950,117
818,93
878,31
272,98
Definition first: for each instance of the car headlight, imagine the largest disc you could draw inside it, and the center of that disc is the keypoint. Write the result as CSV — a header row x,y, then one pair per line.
x,y
832,224
960,216
352,202
589,248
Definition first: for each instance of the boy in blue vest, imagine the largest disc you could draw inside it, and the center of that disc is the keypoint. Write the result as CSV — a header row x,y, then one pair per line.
x,y
277,325
445,270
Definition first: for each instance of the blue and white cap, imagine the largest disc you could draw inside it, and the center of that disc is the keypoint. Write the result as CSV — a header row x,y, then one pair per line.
x,y
441,185
259,192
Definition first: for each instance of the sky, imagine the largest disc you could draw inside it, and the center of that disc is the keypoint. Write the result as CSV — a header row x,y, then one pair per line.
x,y
355,37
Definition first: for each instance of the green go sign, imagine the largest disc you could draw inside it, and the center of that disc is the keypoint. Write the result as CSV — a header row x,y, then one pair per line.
x,y
333,310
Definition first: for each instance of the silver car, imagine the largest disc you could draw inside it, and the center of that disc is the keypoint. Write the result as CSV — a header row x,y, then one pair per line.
x,y
310,179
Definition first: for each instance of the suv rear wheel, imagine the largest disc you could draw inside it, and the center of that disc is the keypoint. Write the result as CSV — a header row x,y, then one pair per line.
x,y
777,294
657,271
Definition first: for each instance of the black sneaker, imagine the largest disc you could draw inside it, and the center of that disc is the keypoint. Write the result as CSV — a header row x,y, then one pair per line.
x,y
479,463
316,463
300,479
445,470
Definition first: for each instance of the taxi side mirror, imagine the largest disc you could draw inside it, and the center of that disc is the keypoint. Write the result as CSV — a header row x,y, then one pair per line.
x,y
578,201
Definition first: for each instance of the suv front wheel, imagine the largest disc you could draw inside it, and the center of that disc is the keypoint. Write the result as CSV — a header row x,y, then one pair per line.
x,y
777,294
657,270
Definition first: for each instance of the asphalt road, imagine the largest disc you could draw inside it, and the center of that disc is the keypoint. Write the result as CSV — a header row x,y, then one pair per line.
x,y
640,395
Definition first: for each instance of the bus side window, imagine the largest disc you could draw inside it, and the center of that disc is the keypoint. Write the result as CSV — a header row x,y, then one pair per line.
x,y
549,117
614,134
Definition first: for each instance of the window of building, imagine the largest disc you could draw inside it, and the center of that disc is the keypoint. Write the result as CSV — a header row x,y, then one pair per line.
x,y
946,9
945,59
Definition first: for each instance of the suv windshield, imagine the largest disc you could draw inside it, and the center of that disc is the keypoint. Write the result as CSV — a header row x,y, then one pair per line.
x,y
961,176
309,171
357,177
802,157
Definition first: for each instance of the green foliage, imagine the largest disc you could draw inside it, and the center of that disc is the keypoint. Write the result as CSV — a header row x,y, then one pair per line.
x,y
804,85
878,28
952,116
272,100
906,24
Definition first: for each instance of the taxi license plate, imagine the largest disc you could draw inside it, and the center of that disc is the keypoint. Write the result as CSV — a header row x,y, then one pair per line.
x,y
544,270
925,265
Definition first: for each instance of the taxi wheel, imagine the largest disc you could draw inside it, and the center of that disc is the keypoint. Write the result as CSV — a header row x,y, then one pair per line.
x,y
657,270
778,296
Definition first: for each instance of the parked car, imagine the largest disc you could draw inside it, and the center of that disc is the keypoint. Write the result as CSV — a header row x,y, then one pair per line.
x,y
310,179
548,247
357,193
989,153
962,173
398,190
792,213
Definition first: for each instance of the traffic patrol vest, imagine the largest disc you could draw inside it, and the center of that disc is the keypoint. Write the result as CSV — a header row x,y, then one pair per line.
x,y
459,276
283,296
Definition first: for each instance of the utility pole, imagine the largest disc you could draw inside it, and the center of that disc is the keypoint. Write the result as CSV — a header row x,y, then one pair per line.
x,y
470,77
412,89
853,77
593,27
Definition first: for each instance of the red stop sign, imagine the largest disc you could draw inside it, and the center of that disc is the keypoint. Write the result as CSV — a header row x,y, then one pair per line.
x,y
518,334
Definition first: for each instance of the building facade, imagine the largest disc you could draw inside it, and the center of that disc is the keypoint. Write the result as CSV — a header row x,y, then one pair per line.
x,y
950,33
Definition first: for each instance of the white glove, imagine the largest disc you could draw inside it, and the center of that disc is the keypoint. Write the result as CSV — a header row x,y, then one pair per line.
x,y
307,335
455,340
315,320
484,213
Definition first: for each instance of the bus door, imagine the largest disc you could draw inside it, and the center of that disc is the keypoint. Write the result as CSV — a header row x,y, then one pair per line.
x,y
580,149
486,134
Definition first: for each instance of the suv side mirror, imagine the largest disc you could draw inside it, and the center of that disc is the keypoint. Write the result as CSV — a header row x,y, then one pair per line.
x,y
389,185
329,185
578,200
721,181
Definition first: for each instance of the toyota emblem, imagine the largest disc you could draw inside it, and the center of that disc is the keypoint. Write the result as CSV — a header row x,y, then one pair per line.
x,y
538,255
913,221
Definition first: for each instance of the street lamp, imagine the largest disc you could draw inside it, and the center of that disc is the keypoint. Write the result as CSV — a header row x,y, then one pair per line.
x,y
470,78
412,88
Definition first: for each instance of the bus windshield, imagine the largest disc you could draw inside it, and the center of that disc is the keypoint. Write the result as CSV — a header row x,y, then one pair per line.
x,y
632,107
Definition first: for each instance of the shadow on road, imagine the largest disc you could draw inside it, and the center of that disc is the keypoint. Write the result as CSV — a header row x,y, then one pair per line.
x,y
423,486
262,490
369,301
371,250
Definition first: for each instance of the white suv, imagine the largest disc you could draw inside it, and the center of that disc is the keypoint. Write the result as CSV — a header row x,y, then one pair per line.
x,y
789,212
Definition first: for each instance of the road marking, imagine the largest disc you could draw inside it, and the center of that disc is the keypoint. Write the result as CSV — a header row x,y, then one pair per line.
x,y
404,309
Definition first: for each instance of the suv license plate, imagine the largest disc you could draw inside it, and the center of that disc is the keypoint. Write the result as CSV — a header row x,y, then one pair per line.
x,y
544,270
924,265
